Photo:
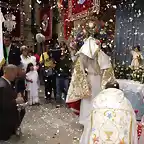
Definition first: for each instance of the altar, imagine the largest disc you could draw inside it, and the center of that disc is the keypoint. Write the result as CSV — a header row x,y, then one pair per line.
x,y
134,91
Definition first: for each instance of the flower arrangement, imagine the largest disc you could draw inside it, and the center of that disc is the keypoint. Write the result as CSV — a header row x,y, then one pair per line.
x,y
126,72
91,27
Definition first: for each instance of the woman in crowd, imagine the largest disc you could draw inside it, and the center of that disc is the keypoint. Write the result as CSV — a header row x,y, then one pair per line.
x,y
63,72
48,66
26,58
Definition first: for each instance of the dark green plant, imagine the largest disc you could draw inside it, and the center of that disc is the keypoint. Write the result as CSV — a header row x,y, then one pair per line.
x,y
125,72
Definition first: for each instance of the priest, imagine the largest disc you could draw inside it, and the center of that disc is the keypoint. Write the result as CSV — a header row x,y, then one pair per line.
x,y
112,119
91,72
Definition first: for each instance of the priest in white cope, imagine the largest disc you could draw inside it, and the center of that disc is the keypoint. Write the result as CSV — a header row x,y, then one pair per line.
x,y
92,70
112,120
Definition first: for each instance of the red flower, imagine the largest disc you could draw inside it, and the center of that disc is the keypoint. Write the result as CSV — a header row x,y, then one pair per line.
x,y
136,111
101,41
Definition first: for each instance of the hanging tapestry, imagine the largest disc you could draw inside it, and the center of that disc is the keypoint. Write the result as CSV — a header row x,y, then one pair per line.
x,y
80,8
12,23
46,22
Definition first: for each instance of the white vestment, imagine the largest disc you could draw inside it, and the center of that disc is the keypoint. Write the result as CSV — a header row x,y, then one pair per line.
x,y
32,88
94,61
112,120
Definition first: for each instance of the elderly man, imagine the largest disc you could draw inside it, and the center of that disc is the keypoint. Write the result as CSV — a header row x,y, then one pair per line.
x,y
9,116
112,120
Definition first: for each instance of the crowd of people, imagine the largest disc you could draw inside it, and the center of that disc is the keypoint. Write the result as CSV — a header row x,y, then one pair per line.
x,y
20,81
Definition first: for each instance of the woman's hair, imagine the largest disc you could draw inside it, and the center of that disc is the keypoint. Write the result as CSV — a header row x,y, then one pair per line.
x,y
64,45
28,67
31,52
138,48
114,84
23,48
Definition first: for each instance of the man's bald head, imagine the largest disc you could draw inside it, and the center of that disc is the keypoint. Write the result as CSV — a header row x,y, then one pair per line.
x,y
9,68
10,72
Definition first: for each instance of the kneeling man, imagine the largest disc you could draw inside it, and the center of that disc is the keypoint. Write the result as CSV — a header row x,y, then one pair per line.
x,y
9,115
112,120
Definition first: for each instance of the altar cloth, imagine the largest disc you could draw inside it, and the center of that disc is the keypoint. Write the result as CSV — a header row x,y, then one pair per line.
x,y
134,91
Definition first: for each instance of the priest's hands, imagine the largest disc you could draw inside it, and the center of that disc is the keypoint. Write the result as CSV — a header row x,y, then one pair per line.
x,y
19,99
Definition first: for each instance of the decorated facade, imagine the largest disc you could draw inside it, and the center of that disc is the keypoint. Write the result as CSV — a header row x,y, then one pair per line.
x,y
75,12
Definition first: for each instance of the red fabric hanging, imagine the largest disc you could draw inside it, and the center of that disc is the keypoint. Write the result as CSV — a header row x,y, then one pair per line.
x,y
46,15
68,25
79,8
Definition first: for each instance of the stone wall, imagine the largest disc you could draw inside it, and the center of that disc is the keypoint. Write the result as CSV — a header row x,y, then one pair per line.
x,y
27,23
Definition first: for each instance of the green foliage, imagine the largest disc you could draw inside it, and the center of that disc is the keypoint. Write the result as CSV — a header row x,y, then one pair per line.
x,y
125,72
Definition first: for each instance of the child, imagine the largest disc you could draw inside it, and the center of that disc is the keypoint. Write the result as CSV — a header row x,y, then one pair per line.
x,y
32,84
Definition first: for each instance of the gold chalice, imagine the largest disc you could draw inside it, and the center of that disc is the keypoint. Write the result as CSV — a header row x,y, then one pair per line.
x,y
109,134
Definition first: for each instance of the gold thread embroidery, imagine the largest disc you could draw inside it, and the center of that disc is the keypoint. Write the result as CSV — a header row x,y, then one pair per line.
x,y
95,8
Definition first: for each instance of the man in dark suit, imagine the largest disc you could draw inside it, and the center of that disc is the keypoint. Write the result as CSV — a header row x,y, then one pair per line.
x,y
11,52
9,115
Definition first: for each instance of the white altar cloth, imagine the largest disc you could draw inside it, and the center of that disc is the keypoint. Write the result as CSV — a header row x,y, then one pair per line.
x,y
134,91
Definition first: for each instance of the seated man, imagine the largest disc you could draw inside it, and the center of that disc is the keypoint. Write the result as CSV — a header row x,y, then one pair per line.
x,y
112,120
9,115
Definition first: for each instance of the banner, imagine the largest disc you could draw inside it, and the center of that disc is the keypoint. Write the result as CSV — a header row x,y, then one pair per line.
x,y
12,23
46,22
68,25
2,59
81,8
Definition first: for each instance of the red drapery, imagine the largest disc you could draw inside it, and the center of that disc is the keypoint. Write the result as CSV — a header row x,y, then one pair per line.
x,y
75,106
68,25
79,8
46,22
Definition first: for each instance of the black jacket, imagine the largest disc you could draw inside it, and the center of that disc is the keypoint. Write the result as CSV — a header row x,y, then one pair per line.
x,y
63,67
14,55
8,110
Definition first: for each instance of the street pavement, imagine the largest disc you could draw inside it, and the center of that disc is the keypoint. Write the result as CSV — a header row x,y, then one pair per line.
x,y
47,124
